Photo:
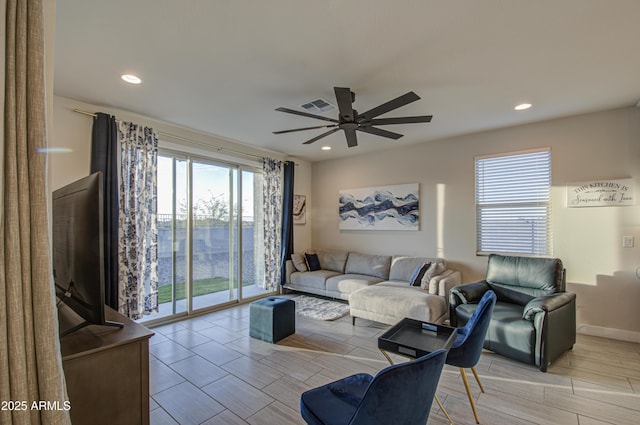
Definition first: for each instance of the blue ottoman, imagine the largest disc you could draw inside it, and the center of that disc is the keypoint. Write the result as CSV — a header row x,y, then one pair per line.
x,y
272,318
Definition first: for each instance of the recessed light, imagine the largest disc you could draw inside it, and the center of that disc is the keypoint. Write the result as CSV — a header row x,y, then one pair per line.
x,y
326,148
131,79
522,106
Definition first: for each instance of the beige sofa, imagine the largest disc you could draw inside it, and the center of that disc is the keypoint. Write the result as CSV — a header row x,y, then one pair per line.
x,y
377,286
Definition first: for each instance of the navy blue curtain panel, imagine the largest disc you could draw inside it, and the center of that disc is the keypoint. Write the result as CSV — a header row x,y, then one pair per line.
x,y
287,217
104,158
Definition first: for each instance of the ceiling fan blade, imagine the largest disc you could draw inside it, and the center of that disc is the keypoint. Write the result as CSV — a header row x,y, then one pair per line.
x,y
391,105
343,97
381,132
305,114
398,120
305,128
352,139
315,139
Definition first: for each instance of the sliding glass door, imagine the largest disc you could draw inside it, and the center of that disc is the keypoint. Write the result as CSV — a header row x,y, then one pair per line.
x,y
214,229
172,236
210,234
252,259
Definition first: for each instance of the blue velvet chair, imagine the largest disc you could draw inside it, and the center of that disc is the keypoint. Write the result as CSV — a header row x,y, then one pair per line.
x,y
467,347
398,394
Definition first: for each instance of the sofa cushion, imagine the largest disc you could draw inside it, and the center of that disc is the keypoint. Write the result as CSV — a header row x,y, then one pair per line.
x,y
402,267
390,301
434,286
332,260
533,276
313,279
508,334
434,270
347,283
418,274
511,294
299,262
313,262
371,265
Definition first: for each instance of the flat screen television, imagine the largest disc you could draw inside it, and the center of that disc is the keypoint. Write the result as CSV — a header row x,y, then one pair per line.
x,y
78,250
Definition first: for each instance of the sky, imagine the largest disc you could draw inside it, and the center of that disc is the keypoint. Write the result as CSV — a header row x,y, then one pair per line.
x,y
209,181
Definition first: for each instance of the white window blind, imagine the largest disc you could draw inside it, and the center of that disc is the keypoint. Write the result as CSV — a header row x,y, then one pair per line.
x,y
513,205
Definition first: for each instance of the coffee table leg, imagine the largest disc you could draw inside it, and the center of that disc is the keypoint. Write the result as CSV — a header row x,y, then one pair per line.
x,y
384,353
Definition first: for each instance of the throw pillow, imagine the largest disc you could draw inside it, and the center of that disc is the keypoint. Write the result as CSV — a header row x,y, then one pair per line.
x,y
434,270
299,262
313,263
416,277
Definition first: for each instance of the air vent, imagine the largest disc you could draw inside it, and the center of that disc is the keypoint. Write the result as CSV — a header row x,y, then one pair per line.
x,y
318,106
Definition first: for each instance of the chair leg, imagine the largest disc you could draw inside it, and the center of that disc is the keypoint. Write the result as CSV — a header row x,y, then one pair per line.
x,y
468,388
443,409
473,369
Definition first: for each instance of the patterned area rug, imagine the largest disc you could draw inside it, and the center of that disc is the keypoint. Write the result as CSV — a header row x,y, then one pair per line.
x,y
319,308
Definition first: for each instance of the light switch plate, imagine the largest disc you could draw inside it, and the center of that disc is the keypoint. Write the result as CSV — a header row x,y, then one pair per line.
x,y
627,241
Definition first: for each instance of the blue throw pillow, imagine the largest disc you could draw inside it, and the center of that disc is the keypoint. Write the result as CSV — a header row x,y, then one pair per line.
x,y
313,263
418,274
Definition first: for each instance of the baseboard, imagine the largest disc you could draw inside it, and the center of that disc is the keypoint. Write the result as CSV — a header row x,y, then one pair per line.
x,y
612,333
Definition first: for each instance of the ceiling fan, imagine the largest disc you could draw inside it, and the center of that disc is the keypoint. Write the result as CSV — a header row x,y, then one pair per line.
x,y
350,120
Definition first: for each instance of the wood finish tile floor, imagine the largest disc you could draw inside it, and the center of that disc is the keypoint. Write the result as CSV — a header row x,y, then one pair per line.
x,y
207,370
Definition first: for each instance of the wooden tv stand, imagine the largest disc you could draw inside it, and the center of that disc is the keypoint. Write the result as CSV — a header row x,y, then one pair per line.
x,y
106,369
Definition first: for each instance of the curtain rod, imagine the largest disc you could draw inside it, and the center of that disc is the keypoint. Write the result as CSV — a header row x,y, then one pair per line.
x,y
162,133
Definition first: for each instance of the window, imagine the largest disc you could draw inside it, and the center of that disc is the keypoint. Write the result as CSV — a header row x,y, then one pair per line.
x,y
209,233
513,205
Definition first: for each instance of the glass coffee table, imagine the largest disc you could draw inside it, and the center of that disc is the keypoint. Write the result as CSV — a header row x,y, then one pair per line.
x,y
414,338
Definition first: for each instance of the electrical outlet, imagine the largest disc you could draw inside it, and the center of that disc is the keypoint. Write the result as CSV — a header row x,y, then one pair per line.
x,y
627,241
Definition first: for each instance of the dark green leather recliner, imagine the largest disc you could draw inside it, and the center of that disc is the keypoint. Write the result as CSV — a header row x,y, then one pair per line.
x,y
534,319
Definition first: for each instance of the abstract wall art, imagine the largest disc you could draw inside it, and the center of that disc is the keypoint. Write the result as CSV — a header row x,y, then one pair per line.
x,y
299,209
394,207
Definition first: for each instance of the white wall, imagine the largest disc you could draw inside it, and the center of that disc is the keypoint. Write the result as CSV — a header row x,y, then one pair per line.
x,y
72,131
603,145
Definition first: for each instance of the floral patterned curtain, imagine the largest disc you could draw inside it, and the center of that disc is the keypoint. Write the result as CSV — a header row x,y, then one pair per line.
x,y
138,232
272,174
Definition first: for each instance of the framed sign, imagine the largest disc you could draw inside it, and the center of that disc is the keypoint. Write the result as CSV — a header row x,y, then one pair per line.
x,y
601,193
